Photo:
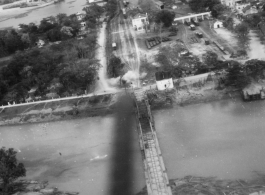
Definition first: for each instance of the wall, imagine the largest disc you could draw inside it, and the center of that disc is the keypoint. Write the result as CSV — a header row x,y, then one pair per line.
x,y
165,84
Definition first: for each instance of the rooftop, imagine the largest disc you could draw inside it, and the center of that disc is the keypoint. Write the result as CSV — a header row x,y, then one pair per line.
x,y
139,16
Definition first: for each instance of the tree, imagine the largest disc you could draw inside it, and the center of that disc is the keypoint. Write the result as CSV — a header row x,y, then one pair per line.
x,y
218,9
203,5
236,76
210,59
166,17
229,23
242,29
10,169
115,67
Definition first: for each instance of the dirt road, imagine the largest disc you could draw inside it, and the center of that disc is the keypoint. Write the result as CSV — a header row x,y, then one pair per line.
x,y
123,35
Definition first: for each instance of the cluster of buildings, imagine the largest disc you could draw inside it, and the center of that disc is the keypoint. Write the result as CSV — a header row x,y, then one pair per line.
x,y
244,7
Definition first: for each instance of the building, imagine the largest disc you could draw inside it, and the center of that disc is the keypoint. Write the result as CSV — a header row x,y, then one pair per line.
x,y
159,4
139,21
253,92
164,81
235,4
80,16
83,26
218,24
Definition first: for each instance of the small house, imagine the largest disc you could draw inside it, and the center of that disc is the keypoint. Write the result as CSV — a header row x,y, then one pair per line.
x,y
80,16
164,80
139,21
218,24
40,43
253,92
83,26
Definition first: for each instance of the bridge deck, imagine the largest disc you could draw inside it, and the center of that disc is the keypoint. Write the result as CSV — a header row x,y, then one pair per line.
x,y
155,172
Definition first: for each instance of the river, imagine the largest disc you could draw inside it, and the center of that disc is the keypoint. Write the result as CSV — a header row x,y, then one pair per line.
x,y
68,7
73,155
224,139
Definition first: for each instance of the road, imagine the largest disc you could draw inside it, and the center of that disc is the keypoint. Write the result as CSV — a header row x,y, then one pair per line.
x,y
123,34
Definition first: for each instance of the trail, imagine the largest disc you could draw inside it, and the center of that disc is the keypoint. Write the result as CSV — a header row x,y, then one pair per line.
x,y
102,84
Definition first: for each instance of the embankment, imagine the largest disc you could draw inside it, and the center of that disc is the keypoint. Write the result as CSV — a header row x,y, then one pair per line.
x,y
59,110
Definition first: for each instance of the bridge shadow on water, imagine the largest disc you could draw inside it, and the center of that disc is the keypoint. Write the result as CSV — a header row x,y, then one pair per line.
x,y
121,174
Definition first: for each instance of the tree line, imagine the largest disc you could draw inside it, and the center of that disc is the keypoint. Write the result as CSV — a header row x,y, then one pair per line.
x,y
54,70
51,29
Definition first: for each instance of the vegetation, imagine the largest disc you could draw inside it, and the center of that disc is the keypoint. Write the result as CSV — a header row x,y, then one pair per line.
x,y
242,29
166,17
111,8
115,67
58,70
206,5
10,169
236,76
52,29
171,60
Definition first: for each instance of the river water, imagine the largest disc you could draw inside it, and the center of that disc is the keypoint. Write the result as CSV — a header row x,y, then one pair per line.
x,y
68,7
73,155
224,139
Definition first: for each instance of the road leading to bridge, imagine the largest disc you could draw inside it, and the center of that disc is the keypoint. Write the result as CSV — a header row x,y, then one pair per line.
x,y
123,35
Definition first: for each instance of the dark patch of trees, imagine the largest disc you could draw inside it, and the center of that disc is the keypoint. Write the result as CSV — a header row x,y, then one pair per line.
x,y
214,6
10,170
115,67
52,29
64,69
166,17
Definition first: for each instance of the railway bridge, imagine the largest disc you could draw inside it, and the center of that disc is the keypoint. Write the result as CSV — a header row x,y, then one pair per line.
x,y
155,172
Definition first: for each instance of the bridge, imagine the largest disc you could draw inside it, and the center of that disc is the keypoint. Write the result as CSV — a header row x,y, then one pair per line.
x,y
155,172
202,15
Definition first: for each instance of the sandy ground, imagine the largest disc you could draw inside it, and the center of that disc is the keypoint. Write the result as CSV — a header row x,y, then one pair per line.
x,y
227,35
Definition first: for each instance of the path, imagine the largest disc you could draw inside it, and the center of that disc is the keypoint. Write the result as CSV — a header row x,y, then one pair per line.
x,y
127,49
102,84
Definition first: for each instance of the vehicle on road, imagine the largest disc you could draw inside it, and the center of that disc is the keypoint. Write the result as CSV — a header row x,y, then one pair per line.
x,y
196,23
114,46
192,27
187,23
198,34
207,41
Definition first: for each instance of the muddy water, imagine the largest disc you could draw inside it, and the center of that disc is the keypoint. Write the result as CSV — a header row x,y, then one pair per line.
x,y
224,139
73,155
256,49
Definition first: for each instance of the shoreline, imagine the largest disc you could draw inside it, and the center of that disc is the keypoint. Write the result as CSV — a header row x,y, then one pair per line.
x,y
25,11
78,109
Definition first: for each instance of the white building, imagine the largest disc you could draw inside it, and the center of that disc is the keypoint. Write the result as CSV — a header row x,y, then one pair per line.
x,y
218,24
164,80
80,16
83,26
139,21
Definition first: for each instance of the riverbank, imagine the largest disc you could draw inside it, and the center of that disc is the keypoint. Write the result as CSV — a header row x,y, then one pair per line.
x,y
105,104
212,185
59,110
186,95
6,14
